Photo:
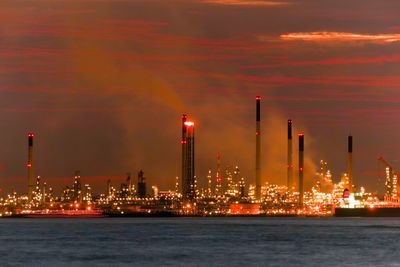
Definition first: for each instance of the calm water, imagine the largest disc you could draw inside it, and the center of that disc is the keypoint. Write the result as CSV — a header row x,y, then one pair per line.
x,y
200,242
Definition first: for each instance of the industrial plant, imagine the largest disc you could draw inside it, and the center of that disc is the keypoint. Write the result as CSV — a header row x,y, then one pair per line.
x,y
227,192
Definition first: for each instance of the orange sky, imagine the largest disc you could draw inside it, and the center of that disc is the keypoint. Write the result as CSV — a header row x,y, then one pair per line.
x,y
103,85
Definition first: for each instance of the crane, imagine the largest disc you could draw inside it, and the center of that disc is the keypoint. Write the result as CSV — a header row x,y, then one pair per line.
x,y
391,181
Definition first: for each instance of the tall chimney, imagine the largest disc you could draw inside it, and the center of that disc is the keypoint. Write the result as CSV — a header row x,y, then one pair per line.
x,y
183,145
188,171
301,169
350,161
31,180
258,148
290,157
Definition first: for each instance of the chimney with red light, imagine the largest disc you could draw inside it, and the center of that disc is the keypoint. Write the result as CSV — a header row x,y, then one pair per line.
x,y
31,182
188,175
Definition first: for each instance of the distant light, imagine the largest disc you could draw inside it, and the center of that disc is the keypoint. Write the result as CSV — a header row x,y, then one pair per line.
x,y
30,135
301,134
189,123
29,165
258,97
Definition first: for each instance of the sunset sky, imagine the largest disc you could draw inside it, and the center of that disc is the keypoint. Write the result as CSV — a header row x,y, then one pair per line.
x,y
103,85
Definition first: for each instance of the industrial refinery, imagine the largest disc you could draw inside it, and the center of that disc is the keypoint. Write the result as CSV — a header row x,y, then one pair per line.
x,y
227,191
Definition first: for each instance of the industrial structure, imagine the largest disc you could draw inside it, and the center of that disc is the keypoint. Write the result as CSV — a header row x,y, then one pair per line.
x,y
226,192
31,174
258,147
290,158
188,159
390,181
142,190
218,177
350,162
301,169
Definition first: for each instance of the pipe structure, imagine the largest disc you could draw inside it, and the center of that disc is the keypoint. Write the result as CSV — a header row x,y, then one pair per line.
x,y
290,157
258,148
301,169
350,162
31,182
188,171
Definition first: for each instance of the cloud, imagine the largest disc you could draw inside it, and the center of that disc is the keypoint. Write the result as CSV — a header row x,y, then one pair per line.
x,y
244,3
341,37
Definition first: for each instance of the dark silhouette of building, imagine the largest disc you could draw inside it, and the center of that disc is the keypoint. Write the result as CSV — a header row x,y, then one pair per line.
x,y
142,193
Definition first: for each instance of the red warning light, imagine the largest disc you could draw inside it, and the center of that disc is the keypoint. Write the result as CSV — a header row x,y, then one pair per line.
x,y
301,134
29,165
258,97
189,123
30,135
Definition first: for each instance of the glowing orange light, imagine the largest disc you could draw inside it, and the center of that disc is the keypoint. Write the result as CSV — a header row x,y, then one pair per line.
x,y
29,165
341,37
189,123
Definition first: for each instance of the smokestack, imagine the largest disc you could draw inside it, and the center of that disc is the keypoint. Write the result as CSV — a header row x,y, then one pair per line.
x,y
301,169
350,161
188,172
31,180
142,192
290,157
258,148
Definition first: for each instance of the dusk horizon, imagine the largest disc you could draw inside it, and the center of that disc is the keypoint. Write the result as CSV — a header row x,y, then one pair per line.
x,y
103,84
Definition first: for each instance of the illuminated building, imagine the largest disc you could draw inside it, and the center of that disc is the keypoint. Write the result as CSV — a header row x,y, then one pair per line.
x,y
209,184
188,160
230,187
391,182
77,188
155,191
242,188
218,178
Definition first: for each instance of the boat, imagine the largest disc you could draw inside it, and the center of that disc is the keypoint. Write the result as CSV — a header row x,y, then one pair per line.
x,y
95,213
368,212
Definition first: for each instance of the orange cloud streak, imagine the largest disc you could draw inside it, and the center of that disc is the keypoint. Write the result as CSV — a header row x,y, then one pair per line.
x,y
244,2
341,37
